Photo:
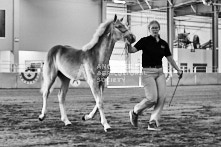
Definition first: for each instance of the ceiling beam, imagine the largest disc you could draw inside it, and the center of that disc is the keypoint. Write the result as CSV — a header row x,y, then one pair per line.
x,y
194,9
181,7
154,6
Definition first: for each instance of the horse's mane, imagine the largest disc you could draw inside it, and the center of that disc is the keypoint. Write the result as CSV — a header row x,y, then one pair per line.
x,y
99,32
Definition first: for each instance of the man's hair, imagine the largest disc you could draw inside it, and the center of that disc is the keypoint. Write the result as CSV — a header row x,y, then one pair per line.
x,y
152,22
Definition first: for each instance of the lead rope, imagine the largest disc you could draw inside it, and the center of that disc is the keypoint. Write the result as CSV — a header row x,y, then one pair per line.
x,y
125,48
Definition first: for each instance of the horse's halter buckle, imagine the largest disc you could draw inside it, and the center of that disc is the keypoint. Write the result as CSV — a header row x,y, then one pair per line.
x,y
125,32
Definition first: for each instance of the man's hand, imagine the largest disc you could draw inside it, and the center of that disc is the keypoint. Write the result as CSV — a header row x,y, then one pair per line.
x,y
180,73
131,39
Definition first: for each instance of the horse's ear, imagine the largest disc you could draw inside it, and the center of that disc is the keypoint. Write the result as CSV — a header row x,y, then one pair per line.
x,y
122,19
115,17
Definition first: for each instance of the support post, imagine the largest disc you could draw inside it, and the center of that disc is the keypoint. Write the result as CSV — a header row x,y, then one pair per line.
x,y
128,56
215,19
170,26
170,30
103,10
15,50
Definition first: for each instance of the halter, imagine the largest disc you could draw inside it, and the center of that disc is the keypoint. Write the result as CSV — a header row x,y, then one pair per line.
x,y
124,32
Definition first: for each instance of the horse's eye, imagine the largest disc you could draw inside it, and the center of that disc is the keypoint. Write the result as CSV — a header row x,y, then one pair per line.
x,y
121,26
118,26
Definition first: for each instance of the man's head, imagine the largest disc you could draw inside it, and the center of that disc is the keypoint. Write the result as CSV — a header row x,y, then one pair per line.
x,y
154,28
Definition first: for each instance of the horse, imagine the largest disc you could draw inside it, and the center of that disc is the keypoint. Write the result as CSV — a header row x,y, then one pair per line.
x,y
66,62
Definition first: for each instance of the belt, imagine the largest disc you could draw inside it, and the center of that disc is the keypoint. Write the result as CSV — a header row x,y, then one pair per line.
x,y
156,66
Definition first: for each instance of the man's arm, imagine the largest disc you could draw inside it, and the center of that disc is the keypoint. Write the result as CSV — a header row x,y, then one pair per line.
x,y
173,63
131,49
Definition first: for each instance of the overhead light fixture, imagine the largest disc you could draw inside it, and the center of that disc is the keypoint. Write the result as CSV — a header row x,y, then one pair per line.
x,y
207,2
194,10
119,1
148,4
171,4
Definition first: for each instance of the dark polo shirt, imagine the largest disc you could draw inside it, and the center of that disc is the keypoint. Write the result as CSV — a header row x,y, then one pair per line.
x,y
153,51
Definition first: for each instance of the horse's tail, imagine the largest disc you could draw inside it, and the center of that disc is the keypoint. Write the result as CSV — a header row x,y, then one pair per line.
x,y
49,68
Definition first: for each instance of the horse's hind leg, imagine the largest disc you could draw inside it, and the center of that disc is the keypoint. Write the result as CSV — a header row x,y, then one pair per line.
x,y
61,98
46,86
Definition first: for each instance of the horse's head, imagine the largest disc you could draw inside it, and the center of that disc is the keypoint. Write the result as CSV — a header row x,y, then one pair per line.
x,y
121,31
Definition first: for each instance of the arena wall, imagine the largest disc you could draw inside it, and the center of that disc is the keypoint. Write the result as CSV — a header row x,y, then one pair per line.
x,y
38,25
45,23
6,42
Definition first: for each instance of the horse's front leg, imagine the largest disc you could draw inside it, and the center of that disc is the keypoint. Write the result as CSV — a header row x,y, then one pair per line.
x,y
97,91
95,109
91,114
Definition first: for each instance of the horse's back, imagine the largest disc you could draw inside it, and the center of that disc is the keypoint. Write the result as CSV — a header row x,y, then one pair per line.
x,y
63,51
64,59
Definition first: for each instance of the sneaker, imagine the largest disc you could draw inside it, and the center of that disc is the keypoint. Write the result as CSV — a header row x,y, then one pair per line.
x,y
133,118
152,126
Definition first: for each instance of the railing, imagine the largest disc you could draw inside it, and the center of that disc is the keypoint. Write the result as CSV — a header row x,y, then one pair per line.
x,y
132,78
5,68
135,68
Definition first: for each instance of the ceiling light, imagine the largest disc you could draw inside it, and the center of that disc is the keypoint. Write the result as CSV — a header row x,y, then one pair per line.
x,y
119,1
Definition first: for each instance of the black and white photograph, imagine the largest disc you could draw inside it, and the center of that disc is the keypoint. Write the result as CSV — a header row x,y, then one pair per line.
x,y
110,73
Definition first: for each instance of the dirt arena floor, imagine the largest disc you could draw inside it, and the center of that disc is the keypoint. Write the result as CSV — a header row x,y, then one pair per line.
x,y
194,119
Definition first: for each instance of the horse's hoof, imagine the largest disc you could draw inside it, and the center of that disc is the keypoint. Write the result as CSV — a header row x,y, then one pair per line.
x,y
108,129
41,118
83,118
68,125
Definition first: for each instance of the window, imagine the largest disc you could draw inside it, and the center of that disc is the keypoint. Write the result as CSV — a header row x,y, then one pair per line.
x,y
199,67
183,67
33,65
2,23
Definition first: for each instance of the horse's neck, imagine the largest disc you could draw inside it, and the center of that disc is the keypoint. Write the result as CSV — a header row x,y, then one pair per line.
x,y
104,48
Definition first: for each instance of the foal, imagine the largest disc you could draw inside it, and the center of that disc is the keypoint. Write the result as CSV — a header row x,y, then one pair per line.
x,y
66,62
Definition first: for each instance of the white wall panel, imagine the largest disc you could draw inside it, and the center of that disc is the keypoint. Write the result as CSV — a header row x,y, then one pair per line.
x,y
6,42
45,23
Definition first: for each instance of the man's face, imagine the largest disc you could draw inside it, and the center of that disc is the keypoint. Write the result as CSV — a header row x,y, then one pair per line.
x,y
154,29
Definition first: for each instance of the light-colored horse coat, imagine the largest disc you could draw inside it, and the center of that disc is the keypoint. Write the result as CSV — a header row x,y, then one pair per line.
x,y
66,62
